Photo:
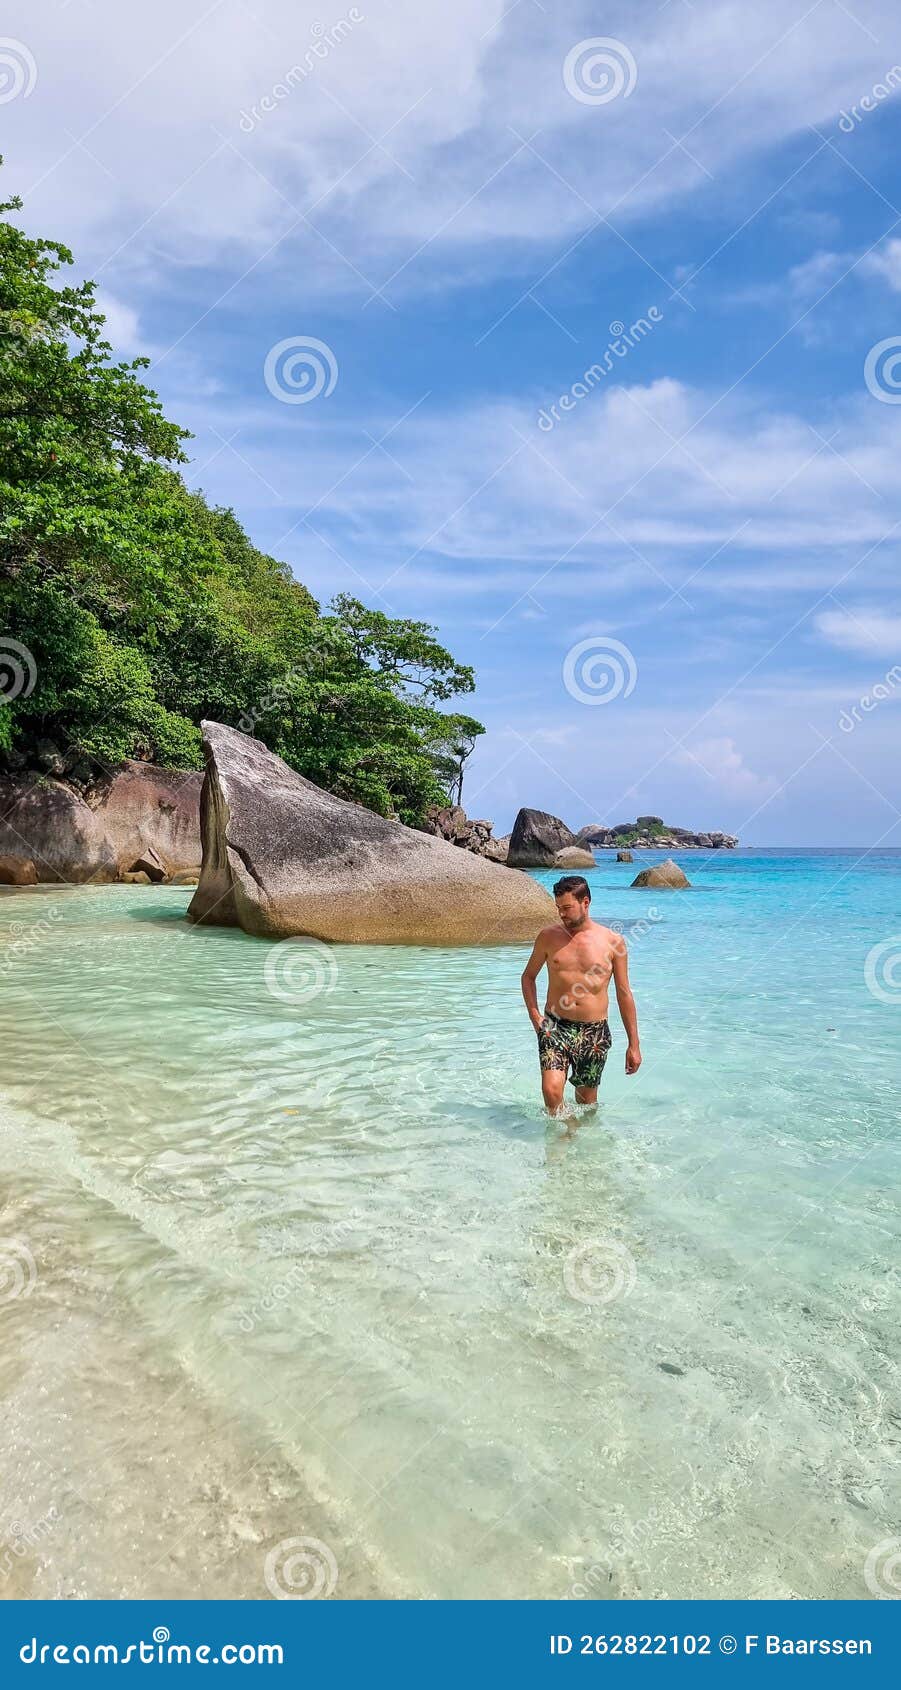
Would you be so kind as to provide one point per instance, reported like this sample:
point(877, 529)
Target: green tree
point(456, 740)
point(146, 610)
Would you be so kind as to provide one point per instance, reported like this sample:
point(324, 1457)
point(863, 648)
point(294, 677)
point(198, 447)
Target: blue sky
point(458, 207)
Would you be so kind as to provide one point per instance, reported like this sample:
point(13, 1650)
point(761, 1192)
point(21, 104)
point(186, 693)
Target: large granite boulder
point(282, 857)
point(536, 839)
point(662, 874)
point(151, 817)
point(138, 819)
point(53, 833)
point(573, 857)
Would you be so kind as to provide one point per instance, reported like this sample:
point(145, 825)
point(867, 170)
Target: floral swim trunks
point(582, 1046)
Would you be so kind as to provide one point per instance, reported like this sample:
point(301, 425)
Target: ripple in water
point(321, 1269)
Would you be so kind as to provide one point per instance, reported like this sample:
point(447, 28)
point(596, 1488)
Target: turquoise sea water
point(289, 1250)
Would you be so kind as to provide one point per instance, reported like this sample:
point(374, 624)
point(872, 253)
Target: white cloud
point(662, 486)
point(812, 278)
point(721, 759)
point(403, 134)
point(885, 262)
point(122, 325)
point(865, 630)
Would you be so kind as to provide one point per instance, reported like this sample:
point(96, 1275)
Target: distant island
point(651, 832)
point(540, 840)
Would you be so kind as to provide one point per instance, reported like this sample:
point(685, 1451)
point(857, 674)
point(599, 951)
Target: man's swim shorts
point(582, 1046)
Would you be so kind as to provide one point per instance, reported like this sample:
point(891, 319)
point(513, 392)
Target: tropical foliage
point(140, 609)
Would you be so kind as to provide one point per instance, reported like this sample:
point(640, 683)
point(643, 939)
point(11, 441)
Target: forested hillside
point(141, 609)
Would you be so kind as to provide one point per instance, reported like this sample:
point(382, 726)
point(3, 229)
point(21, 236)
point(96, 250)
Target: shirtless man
point(581, 958)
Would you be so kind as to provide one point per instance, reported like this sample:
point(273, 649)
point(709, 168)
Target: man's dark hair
point(575, 884)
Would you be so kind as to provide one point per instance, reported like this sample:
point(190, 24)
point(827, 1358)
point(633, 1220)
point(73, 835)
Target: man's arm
point(626, 1004)
point(530, 974)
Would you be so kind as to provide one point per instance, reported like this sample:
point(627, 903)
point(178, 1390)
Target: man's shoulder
point(609, 936)
point(547, 934)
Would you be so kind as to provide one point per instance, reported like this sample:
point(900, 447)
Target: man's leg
point(552, 1055)
point(553, 1081)
point(589, 1058)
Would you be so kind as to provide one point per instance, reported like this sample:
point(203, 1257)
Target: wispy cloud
point(398, 153)
point(886, 263)
point(865, 629)
point(723, 763)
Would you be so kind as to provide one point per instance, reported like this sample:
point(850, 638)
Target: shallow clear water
point(290, 1250)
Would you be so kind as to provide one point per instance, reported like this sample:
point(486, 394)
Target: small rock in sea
point(572, 856)
point(805, 1309)
point(671, 1367)
point(662, 874)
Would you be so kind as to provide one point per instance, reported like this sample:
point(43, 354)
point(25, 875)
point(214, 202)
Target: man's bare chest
point(581, 956)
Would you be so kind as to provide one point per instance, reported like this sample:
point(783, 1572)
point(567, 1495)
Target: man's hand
point(530, 975)
point(633, 1059)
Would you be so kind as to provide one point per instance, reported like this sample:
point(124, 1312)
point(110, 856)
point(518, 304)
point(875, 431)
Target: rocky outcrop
point(496, 849)
point(662, 874)
point(154, 814)
point(624, 856)
point(595, 835)
point(138, 820)
point(17, 871)
point(536, 839)
point(650, 833)
point(573, 857)
point(450, 822)
point(281, 857)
